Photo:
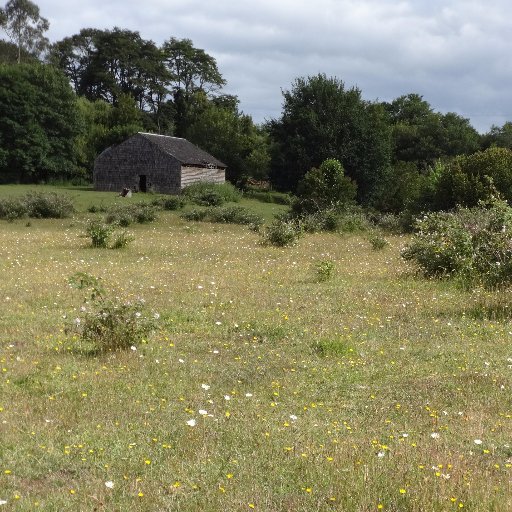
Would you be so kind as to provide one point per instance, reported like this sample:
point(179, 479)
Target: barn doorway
point(143, 183)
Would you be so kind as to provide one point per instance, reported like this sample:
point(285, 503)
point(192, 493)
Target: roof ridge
point(160, 135)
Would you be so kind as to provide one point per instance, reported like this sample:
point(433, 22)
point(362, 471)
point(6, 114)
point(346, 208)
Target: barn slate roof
point(183, 150)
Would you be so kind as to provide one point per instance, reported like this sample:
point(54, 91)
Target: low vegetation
point(199, 369)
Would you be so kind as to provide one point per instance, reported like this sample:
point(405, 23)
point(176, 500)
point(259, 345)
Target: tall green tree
point(39, 124)
point(499, 136)
point(25, 27)
point(320, 120)
point(422, 136)
point(193, 74)
point(231, 136)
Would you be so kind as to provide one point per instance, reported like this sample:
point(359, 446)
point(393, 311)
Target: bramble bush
point(110, 324)
point(472, 244)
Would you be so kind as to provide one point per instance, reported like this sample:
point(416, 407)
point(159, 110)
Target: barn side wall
point(191, 175)
point(122, 166)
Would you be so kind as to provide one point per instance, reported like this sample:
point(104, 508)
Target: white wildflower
point(191, 423)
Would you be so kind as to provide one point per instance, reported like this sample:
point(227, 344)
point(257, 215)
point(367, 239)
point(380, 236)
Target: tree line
point(64, 103)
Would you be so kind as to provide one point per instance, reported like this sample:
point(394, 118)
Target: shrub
point(211, 194)
point(124, 215)
point(48, 205)
point(324, 270)
point(281, 233)
point(37, 205)
point(11, 209)
point(99, 233)
point(196, 214)
point(472, 244)
point(110, 324)
point(353, 220)
point(121, 240)
point(234, 215)
point(377, 241)
point(170, 203)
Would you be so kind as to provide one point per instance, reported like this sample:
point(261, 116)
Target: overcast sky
point(456, 53)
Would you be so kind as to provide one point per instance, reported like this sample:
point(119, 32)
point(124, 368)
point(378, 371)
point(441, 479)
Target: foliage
point(103, 126)
point(121, 240)
point(281, 233)
point(170, 203)
point(324, 270)
point(38, 125)
point(471, 244)
point(211, 194)
point(322, 120)
point(110, 324)
point(268, 196)
point(421, 136)
point(325, 188)
point(99, 233)
point(234, 215)
point(37, 205)
point(12, 208)
point(377, 241)
point(469, 179)
point(24, 25)
point(221, 129)
point(195, 214)
point(325, 220)
point(124, 215)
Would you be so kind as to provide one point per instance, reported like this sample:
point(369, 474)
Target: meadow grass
point(373, 390)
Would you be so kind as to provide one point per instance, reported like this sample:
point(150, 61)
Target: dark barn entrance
point(143, 183)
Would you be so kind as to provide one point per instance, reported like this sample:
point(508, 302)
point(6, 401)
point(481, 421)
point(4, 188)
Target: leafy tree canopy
point(39, 124)
point(320, 120)
point(22, 22)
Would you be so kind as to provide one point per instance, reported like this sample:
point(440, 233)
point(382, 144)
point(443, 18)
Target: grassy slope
point(391, 378)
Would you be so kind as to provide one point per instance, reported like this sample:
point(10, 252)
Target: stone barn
point(159, 163)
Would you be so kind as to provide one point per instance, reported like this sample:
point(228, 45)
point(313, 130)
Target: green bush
point(170, 203)
point(234, 215)
point(472, 244)
point(110, 324)
point(11, 209)
point(281, 233)
point(211, 194)
point(196, 214)
point(124, 215)
point(48, 205)
point(324, 270)
point(99, 233)
point(323, 220)
point(353, 220)
point(121, 240)
point(377, 241)
point(37, 205)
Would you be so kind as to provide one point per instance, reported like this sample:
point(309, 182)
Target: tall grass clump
point(211, 194)
point(472, 244)
point(110, 324)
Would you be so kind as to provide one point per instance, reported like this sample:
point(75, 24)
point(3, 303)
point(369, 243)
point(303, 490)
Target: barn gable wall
point(121, 166)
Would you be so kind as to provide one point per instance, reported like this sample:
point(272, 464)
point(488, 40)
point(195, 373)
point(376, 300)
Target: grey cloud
point(456, 53)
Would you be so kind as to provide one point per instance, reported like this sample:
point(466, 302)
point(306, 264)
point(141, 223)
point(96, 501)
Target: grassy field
point(373, 390)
